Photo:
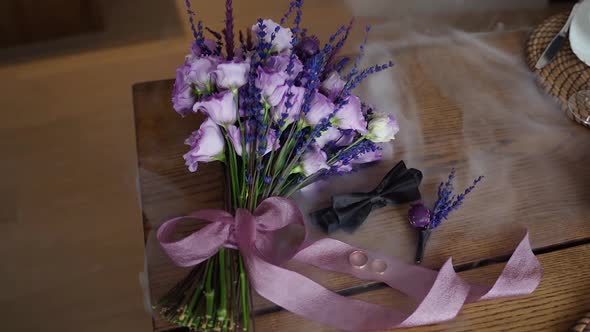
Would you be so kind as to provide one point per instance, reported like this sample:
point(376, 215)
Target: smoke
point(468, 101)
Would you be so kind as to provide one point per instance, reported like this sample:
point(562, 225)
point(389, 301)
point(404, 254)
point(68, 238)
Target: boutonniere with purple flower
point(426, 220)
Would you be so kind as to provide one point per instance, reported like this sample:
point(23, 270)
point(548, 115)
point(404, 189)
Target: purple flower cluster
point(279, 107)
point(447, 201)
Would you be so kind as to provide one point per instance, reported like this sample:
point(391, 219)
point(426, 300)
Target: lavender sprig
point(445, 190)
point(218, 39)
point(198, 30)
point(200, 40)
point(447, 202)
point(298, 17)
point(338, 32)
point(346, 156)
point(191, 18)
point(331, 66)
point(340, 65)
point(352, 84)
point(292, 7)
point(360, 56)
point(229, 29)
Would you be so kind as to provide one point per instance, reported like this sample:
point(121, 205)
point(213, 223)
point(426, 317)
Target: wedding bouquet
point(280, 114)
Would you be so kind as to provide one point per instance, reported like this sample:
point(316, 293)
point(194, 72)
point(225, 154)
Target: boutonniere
point(426, 220)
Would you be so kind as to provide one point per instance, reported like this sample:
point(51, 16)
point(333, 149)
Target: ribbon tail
point(441, 294)
point(304, 297)
point(199, 246)
point(521, 275)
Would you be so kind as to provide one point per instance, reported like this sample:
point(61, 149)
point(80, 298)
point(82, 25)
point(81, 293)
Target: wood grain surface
point(561, 299)
point(536, 173)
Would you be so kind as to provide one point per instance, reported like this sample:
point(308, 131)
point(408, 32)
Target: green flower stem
point(222, 312)
point(254, 193)
point(242, 195)
point(294, 159)
point(279, 165)
point(196, 323)
point(278, 169)
point(209, 291)
point(230, 293)
point(233, 168)
point(268, 186)
point(245, 296)
point(285, 187)
point(196, 297)
point(309, 180)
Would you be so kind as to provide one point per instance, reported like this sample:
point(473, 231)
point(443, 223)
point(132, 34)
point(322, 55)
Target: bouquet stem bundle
point(214, 296)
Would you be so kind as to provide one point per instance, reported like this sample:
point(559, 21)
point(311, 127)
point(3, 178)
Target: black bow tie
point(349, 211)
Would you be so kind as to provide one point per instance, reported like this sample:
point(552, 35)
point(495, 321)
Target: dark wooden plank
point(167, 188)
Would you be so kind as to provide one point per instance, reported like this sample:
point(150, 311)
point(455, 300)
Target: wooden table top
point(535, 161)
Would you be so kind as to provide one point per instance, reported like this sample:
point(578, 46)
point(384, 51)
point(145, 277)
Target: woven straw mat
point(567, 74)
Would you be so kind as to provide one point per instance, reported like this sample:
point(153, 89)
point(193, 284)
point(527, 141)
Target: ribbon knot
point(243, 231)
point(349, 211)
point(440, 295)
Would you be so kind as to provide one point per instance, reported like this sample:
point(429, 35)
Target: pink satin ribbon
point(440, 295)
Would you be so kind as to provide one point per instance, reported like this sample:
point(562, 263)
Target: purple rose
point(183, 97)
point(235, 136)
point(207, 144)
point(221, 108)
point(350, 116)
point(272, 85)
point(382, 128)
point(275, 98)
point(333, 85)
point(320, 108)
point(197, 51)
point(200, 71)
point(336, 137)
point(282, 40)
point(272, 77)
point(231, 75)
point(368, 157)
point(347, 138)
point(332, 134)
point(312, 161)
point(280, 63)
point(289, 114)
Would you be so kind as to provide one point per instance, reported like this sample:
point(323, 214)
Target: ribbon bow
point(349, 211)
point(440, 295)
